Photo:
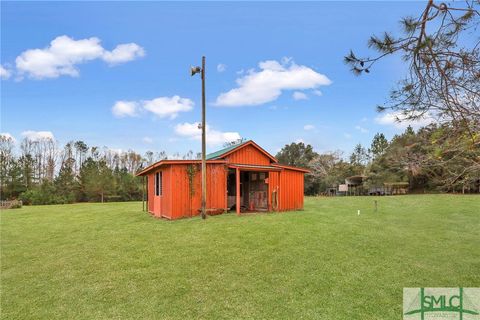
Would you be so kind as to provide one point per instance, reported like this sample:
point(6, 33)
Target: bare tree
point(162, 155)
point(81, 150)
point(67, 154)
point(51, 156)
point(94, 153)
point(134, 161)
point(149, 157)
point(6, 158)
point(188, 155)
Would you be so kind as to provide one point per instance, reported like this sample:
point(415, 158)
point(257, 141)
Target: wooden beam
point(237, 176)
point(143, 193)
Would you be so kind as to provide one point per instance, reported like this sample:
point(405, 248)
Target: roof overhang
point(283, 166)
point(251, 167)
point(272, 167)
point(355, 180)
point(160, 163)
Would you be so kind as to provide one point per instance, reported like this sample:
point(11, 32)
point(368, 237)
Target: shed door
point(258, 190)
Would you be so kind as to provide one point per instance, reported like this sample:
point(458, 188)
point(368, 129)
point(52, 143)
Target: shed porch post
point(237, 176)
point(143, 193)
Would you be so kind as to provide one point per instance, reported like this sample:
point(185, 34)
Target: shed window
point(158, 184)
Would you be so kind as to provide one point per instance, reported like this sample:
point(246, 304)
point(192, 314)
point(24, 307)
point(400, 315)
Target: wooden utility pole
point(203, 126)
point(204, 161)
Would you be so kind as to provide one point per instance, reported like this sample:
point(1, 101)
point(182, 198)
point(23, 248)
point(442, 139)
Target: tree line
point(431, 159)
point(42, 172)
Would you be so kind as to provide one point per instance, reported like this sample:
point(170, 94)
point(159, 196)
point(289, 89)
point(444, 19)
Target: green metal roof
point(215, 155)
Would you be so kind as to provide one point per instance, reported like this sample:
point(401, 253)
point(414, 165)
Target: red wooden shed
point(241, 178)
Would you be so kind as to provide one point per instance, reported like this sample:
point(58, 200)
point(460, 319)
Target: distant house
point(241, 178)
point(355, 186)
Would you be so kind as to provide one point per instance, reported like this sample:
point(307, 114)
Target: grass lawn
point(112, 261)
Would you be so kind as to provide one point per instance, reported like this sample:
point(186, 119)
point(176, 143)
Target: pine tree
point(379, 145)
point(65, 183)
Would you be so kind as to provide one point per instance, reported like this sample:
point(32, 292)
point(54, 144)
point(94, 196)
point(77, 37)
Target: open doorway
point(253, 191)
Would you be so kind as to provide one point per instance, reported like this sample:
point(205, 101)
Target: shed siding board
point(217, 188)
point(166, 192)
point(179, 190)
point(161, 204)
point(291, 190)
point(273, 185)
point(151, 207)
point(157, 200)
point(248, 155)
point(184, 203)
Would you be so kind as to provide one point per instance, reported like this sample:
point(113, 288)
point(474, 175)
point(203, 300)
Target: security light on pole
point(193, 71)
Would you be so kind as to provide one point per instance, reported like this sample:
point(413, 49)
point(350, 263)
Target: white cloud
point(361, 129)
point(38, 135)
point(347, 135)
point(125, 109)
point(317, 93)
point(399, 120)
point(123, 53)
point(162, 107)
point(298, 95)
point(64, 53)
point(4, 73)
point(308, 127)
point(221, 67)
point(147, 140)
point(187, 129)
point(267, 84)
point(214, 137)
point(8, 136)
point(299, 140)
point(168, 106)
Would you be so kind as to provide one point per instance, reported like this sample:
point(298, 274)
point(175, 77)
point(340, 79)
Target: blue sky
point(282, 60)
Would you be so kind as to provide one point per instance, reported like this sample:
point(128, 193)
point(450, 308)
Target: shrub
point(16, 205)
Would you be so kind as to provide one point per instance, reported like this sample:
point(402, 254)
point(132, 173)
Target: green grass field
point(112, 261)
